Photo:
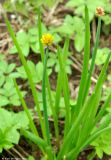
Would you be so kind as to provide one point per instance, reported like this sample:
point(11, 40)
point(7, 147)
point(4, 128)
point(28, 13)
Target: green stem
point(71, 134)
point(32, 125)
point(83, 81)
point(93, 60)
point(44, 97)
point(27, 70)
point(47, 79)
point(55, 117)
point(40, 35)
point(103, 109)
point(37, 140)
point(74, 152)
point(66, 93)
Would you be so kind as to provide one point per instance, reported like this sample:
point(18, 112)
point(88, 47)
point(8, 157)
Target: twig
point(18, 153)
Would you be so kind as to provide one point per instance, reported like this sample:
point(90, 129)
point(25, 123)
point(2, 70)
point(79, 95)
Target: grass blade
point(102, 74)
point(27, 70)
point(37, 140)
point(71, 154)
point(40, 35)
point(85, 63)
point(93, 60)
point(66, 93)
point(47, 79)
point(32, 125)
point(103, 109)
point(70, 136)
point(44, 97)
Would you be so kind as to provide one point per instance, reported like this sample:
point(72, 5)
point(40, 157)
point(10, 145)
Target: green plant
point(62, 105)
point(10, 123)
point(80, 122)
point(74, 27)
point(23, 40)
point(9, 96)
point(91, 4)
point(102, 55)
point(103, 143)
point(53, 62)
point(36, 71)
point(29, 40)
point(24, 7)
point(2, 56)
point(6, 71)
point(19, 6)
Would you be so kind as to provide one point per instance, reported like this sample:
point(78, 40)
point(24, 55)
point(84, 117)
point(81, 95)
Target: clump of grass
point(80, 125)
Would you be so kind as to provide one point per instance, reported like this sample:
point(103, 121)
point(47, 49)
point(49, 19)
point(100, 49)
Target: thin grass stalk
point(66, 89)
point(98, 87)
point(66, 94)
point(80, 132)
point(55, 117)
point(40, 35)
point(103, 109)
point(37, 140)
point(47, 79)
point(95, 108)
point(67, 104)
point(57, 103)
point(93, 137)
point(44, 96)
point(105, 123)
point(64, 83)
point(94, 53)
point(65, 50)
point(74, 152)
point(59, 79)
point(102, 75)
point(27, 70)
point(58, 92)
point(68, 139)
point(83, 81)
point(32, 125)
point(95, 103)
point(88, 122)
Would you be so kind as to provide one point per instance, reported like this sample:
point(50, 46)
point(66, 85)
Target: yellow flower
point(47, 39)
point(100, 11)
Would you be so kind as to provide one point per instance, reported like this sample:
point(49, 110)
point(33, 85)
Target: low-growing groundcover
point(85, 122)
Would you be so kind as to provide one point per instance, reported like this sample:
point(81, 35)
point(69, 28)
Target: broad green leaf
point(33, 31)
point(13, 50)
point(39, 71)
point(35, 47)
point(102, 55)
point(3, 101)
point(23, 41)
point(11, 67)
point(21, 120)
point(79, 41)
point(3, 66)
point(14, 100)
point(2, 79)
point(99, 152)
point(9, 123)
point(73, 3)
